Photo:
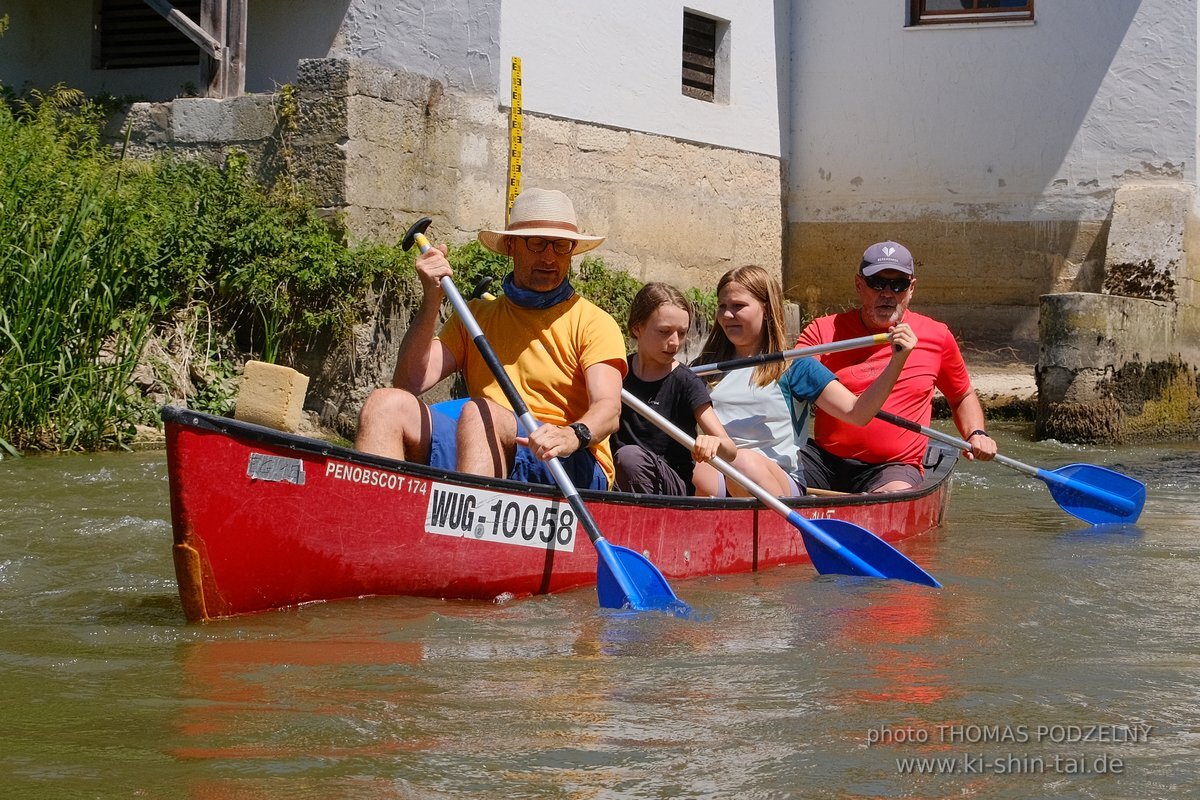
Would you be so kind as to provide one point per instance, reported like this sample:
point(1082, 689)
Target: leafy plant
point(94, 247)
point(70, 329)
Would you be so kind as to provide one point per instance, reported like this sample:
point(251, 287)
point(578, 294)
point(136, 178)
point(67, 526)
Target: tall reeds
point(69, 329)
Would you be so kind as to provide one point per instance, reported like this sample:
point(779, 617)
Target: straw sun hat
point(541, 212)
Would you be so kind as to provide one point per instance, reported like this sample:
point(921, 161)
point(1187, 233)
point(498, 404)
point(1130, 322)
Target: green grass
point(96, 250)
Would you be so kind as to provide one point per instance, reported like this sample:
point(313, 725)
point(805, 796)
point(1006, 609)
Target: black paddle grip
point(907, 424)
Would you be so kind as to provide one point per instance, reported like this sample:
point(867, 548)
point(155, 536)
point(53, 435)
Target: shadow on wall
point(911, 146)
point(281, 32)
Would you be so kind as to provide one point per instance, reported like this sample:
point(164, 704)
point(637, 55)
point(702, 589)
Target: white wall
point(50, 41)
point(619, 63)
point(998, 122)
point(281, 32)
point(453, 41)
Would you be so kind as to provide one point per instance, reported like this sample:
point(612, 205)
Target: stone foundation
point(1119, 366)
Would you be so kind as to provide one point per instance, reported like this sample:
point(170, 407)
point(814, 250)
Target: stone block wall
point(383, 148)
point(202, 127)
point(1120, 365)
point(386, 147)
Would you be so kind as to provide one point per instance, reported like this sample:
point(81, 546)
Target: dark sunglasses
point(896, 285)
point(536, 244)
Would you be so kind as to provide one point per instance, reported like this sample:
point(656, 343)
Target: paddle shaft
point(531, 423)
point(765, 497)
point(945, 438)
point(786, 355)
point(1041, 474)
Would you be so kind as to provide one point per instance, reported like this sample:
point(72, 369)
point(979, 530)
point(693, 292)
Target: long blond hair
point(768, 291)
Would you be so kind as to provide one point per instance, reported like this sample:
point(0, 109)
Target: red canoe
point(264, 520)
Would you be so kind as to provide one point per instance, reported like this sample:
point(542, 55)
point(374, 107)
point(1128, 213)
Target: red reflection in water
point(277, 699)
point(890, 633)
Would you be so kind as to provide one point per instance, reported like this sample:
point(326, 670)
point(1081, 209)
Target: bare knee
point(707, 480)
point(486, 438)
point(763, 471)
point(394, 423)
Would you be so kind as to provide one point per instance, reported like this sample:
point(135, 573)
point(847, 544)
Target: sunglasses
point(536, 244)
point(896, 285)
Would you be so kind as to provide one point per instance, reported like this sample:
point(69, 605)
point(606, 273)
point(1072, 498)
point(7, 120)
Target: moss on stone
point(1086, 423)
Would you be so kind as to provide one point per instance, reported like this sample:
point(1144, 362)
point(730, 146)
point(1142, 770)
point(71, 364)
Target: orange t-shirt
point(545, 352)
point(936, 362)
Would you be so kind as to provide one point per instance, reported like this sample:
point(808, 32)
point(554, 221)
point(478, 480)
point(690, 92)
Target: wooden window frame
point(129, 34)
point(977, 12)
point(703, 76)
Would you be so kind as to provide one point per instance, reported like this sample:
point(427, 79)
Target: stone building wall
point(1120, 363)
point(387, 147)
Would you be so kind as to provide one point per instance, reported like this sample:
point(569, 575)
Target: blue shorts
point(581, 466)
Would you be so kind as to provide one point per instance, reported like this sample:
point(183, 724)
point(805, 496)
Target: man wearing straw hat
point(565, 355)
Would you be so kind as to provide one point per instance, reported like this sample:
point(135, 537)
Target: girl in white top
point(765, 409)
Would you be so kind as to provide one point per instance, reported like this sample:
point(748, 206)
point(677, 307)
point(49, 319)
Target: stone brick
point(271, 395)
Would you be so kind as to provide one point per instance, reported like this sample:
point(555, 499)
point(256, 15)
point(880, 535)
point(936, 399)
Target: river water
point(1033, 673)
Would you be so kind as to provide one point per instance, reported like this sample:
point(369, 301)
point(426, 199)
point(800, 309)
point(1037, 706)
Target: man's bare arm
point(423, 360)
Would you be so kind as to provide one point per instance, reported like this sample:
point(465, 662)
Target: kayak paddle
point(1094, 494)
point(835, 546)
point(624, 578)
point(799, 352)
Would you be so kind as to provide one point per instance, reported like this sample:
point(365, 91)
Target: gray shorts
point(824, 470)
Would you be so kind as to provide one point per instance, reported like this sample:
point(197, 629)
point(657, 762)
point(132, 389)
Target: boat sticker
point(263, 467)
point(375, 477)
point(503, 518)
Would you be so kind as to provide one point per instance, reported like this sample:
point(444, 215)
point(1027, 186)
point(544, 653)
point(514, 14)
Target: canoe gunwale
point(939, 466)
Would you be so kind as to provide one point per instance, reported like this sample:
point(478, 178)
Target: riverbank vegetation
point(98, 252)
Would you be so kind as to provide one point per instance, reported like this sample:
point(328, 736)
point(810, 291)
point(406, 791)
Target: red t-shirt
point(936, 362)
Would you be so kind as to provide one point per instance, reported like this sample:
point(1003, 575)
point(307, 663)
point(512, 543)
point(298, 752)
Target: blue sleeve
point(806, 379)
point(802, 384)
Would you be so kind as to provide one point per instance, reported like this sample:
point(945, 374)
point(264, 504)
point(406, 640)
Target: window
point(705, 58)
point(933, 12)
point(132, 34)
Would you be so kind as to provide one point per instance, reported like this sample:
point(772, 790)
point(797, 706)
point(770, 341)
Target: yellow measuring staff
point(514, 139)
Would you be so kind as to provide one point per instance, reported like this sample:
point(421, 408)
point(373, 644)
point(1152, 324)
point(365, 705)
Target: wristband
point(974, 433)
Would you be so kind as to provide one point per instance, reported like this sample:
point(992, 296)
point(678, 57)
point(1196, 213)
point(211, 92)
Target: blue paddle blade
point(1095, 494)
point(842, 548)
point(648, 589)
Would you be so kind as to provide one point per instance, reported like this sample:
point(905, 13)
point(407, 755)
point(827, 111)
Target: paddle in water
point(835, 546)
point(624, 578)
point(1096, 495)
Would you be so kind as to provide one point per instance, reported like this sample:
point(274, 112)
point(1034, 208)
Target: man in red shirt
point(881, 457)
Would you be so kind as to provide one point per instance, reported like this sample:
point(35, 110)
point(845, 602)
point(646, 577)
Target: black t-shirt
point(676, 397)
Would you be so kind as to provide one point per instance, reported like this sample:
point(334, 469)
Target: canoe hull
point(264, 520)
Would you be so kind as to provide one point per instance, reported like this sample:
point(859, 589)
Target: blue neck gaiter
point(526, 298)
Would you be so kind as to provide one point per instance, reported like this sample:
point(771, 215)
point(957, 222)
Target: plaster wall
point(619, 64)
point(456, 42)
point(993, 151)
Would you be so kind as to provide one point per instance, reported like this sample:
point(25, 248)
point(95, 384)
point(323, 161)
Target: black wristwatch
point(581, 430)
point(976, 432)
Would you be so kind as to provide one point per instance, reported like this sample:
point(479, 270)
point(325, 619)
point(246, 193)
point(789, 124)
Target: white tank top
point(757, 418)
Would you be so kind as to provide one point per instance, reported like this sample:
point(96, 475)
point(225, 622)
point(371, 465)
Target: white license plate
point(496, 517)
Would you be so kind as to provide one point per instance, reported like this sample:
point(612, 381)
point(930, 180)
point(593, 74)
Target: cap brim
point(494, 240)
point(874, 269)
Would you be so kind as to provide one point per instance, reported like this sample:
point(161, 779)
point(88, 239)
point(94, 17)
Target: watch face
point(581, 431)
